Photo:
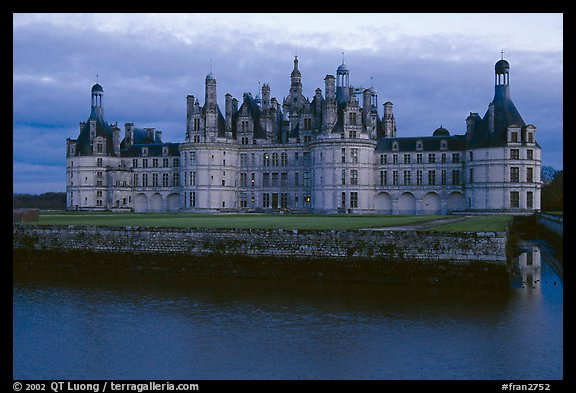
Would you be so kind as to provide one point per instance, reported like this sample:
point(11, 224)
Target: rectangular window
point(354, 176)
point(394, 178)
point(514, 154)
point(530, 137)
point(144, 163)
point(529, 200)
point(455, 158)
point(530, 175)
point(284, 179)
point(274, 159)
point(275, 179)
point(307, 179)
point(514, 174)
point(253, 180)
point(443, 177)
point(284, 159)
point(134, 163)
point(98, 162)
point(432, 178)
point(443, 158)
point(154, 180)
point(353, 199)
point(307, 158)
point(176, 162)
point(343, 200)
point(283, 200)
point(296, 179)
point(529, 154)
point(455, 177)
point(243, 159)
point(165, 163)
point(406, 158)
point(354, 155)
point(383, 178)
point(407, 181)
point(265, 180)
point(144, 180)
point(135, 182)
point(418, 178)
point(431, 158)
point(352, 118)
point(394, 158)
point(266, 159)
point(383, 159)
point(165, 178)
point(193, 199)
point(514, 137)
point(307, 123)
point(154, 163)
point(193, 178)
point(514, 199)
point(343, 154)
point(265, 200)
point(419, 158)
point(175, 179)
point(243, 179)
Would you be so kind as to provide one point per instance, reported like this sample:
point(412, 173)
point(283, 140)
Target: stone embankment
point(378, 255)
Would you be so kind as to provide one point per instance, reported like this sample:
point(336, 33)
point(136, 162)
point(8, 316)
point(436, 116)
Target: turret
point(128, 134)
point(342, 83)
point(389, 121)
point(228, 109)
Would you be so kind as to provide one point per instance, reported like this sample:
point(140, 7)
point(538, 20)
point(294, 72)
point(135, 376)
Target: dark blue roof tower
point(491, 131)
point(102, 128)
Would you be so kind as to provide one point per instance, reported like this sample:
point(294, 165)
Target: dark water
point(106, 327)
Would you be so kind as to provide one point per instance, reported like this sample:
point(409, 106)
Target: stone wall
point(359, 255)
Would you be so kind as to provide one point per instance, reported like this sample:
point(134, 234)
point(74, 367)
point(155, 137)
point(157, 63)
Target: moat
point(145, 326)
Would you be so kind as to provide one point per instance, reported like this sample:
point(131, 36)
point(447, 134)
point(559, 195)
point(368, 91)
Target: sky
point(434, 68)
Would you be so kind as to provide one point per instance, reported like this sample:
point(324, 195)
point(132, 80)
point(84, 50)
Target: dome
point(210, 76)
point(97, 89)
point(502, 67)
point(441, 132)
point(342, 68)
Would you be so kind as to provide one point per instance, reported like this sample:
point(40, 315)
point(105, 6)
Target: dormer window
point(443, 145)
point(164, 151)
point(395, 145)
point(514, 137)
point(419, 145)
point(144, 151)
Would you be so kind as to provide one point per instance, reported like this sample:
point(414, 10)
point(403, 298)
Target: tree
point(547, 174)
point(553, 193)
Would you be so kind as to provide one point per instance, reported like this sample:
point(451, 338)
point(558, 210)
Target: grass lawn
point(242, 221)
point(475, 224)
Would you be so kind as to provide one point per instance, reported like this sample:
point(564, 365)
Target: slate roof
point(429, 143)
point(102, 129)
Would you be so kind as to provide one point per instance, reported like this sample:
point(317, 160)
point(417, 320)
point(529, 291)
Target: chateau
point(332, 153)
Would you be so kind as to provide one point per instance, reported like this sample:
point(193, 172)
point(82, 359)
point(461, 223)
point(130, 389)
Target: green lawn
point(242, 221)
point(475, 224)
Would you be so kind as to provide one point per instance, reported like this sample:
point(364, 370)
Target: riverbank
point(400, 257)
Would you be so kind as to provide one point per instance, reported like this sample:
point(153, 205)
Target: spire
point(295, 71)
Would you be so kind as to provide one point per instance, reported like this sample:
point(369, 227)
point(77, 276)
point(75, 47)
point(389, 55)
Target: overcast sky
point(435, 68)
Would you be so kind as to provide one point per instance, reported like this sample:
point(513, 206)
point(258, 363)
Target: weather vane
point(502, 54)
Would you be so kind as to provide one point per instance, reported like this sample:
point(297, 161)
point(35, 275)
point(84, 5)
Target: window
point(284, 159)
point(283, 200)
point(243, 159)
point(514, 154)
point(134, 163)
point(455, 158)
point(165, 162)
point(343, 200)
point(418, 178)
point(284, 179)
point(243, 179)
point(354, 155)
point(274, 159)
point(99, 147)
point(253, 180)
point(353, 199)
point(443, 177)
point(394, 178)
point(383, 178)
point(471, 175)
point(406, 158)
point(354, 176)
point(529, 200)
point(343, 177)
point(530, 137)
point(529, 154)
point(223, 182)
point(514, 137)
point(164, 180)
point(432, 178)
point(144, 180)
point(514, 174)
point(193, 199)
point(394, 158)
point(154, 180)
point(307, 159)
point(266, 180)
point(352, 118)
point(296, 179)
point(307, 179)
point(530, 175)
point(176, 162)
point(419, 158)
point(514, 199)
point(245, 140)
point(193, 178)
point(196, 126)
point(275, 179)
point(455, 177)
point(471, 156)
point(135, 181)
point(296, 157)
point(265, 200)
point(98, 162)
point(192, 157)
point(307, 124)
point(343, 154)
point(196, 138)
point(154, 163)
point(383, 159)
point(406, 178)
point(352, 134)
point(266, 159)
point(443, 158)
point(307, 138)
point(431, 158)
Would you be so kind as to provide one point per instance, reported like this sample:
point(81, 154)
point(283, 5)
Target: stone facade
point(329, 154)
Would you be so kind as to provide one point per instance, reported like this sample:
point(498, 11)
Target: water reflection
point(142, 326)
